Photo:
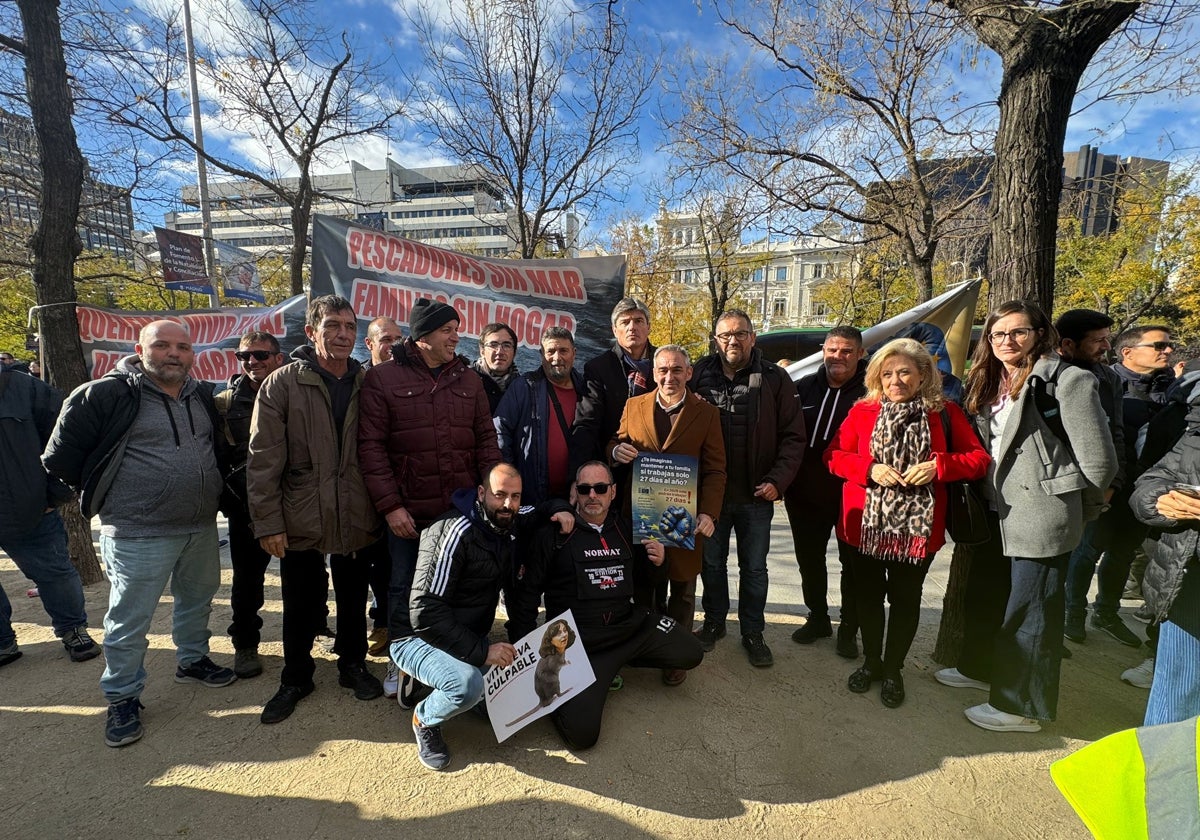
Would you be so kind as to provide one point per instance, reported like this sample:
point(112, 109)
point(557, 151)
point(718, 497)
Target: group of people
point(434, 486)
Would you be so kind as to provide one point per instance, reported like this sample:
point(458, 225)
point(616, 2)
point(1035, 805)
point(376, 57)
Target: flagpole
point(210, 262)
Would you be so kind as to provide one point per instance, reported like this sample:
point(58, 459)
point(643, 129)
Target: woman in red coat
point(892, 452)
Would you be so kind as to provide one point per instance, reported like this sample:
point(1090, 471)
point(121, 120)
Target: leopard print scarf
point(897, 521)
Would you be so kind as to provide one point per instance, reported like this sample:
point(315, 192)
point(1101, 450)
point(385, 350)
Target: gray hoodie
point(168, 482)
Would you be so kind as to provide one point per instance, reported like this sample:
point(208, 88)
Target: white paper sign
point(550, 668)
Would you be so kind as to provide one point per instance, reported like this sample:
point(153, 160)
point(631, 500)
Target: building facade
point(775, 278)
point(105, 210)
point(455, 207)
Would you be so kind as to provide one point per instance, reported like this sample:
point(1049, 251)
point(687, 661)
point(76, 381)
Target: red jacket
point(849, 456)
point(419, 440)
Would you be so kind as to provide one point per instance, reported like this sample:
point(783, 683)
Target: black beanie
point(428, 315)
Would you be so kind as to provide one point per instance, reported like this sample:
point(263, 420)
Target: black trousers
point(811, 527)
point(246, 595)
point(305, 592)
point(661, 642)
point(901, 584)
point(1012, 637)
point(380, 560)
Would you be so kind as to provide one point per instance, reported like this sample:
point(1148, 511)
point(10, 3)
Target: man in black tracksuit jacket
point(814, 498)
point(590, 572)
point(464, 561)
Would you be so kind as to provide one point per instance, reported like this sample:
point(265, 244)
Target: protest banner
point(108, 335)
point(383, 274)
point(182, 258)
point(665, 492)
point(943, 322)
point(240, 273)
point(551, 667)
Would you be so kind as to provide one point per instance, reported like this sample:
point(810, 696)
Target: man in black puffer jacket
point(1164, 497)
point(590, 572)
point(465, 559)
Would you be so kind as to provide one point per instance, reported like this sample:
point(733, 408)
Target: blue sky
point(1155, 126)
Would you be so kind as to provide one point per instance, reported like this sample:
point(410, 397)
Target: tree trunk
point(1035, 104)
point(301, 217)
point(950, 632)
point(55, 242)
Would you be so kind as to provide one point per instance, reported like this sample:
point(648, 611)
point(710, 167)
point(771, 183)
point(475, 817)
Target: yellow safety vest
point(1139, 784)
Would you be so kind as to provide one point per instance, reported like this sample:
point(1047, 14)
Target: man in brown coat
point(674, 420)
point(307, 499)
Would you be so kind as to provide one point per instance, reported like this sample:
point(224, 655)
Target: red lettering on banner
point(529, 322)
point(105, 360)
point(215, 365)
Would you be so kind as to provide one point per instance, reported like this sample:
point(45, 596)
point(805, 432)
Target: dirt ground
point(734, 752)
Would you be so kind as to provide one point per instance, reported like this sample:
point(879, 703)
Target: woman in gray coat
point(1052, 455)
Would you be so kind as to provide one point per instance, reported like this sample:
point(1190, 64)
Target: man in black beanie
point(425, 431)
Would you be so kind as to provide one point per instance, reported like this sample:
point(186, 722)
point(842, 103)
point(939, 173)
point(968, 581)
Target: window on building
point(816, 272)
point(781, 274)
point(756, 276)
point(779, 307)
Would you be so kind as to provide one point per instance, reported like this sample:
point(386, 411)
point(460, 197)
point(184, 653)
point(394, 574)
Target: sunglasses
point(259, 355)
point(1159, 346)
point(586, 489)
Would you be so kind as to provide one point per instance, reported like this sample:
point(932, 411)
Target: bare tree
point(297, 91)
point(857, 116)
point(55, 242)
point(546, 102)
point(1045, 49)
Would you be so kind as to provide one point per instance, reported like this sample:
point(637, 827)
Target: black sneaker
point(412, 691)
point(124, 724)
point(1115, 627)
point(1073, 627)
point(206, 672)
point(431, 747)
point(892, 690)
point(9, 654)
point(860, 681)
point(709, 633)
point(847, 641)
point(281, 706)
point(246, 663)
point(356, 676)
point(80, 646)
point(757, 650)
point(817, 627)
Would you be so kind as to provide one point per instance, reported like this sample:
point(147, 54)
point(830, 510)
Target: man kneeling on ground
point(465, 559)
point(590, 572)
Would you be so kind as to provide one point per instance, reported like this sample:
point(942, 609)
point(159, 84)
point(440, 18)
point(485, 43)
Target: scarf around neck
point(898, 521)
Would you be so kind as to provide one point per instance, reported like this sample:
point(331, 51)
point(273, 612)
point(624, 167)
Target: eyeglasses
point(725, 338)
point(1019, 334)
point(1160, 346)
point(586, 489)
point(247, 355)
point(500, 345)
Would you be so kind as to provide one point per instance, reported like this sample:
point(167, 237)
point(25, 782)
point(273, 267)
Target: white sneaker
point(1140, 676)
point(987, 716)
point(953, 678)
point(391, 680)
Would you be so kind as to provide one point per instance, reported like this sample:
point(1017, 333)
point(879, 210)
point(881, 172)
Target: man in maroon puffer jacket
point(425, 430)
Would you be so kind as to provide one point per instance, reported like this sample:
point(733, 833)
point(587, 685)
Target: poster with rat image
point(549, 669)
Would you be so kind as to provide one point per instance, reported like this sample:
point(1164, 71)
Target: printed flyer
point(665, 494)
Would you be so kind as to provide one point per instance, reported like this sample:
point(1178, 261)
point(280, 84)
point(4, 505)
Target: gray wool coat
point(1045, 491)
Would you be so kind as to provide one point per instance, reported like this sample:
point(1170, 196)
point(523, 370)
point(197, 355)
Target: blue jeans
point(457, 685)
point(1114, 553)
point(404, 567)
point(138, 569)
point(1175, 692)
point(42, 556)
point(752, 524)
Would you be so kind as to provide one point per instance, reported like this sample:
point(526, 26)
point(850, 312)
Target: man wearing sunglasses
point(590, 572)
point(259, 355)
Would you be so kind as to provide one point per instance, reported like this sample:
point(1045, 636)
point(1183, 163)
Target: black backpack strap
point(1046, 403)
